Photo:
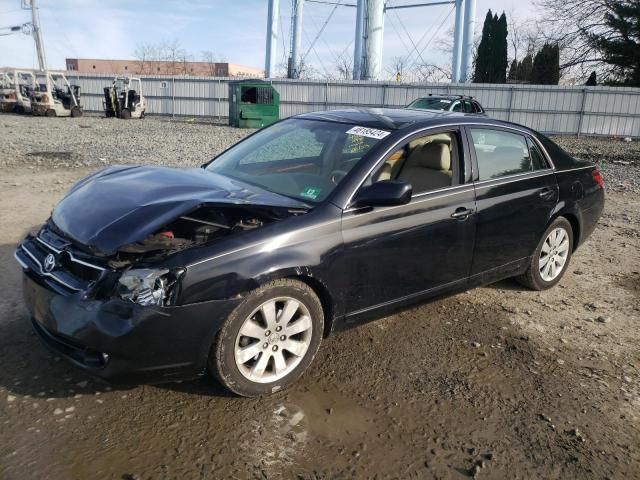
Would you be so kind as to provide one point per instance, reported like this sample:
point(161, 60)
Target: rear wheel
point(269, 340)
point(19, 109)
point(125, 114)
point(551, 259)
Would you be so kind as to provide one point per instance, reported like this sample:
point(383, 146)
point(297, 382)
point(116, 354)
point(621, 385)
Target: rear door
point(516, 191)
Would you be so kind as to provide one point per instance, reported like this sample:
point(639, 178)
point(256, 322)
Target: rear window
point(501, 154)
point(431, 103)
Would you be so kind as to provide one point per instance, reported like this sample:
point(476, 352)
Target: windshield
point(302, 159)
point(431, 103)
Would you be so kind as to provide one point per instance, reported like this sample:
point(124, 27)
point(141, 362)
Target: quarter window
point(537, 159)
point(502, 153)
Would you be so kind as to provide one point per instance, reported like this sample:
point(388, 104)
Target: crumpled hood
point(121, 205)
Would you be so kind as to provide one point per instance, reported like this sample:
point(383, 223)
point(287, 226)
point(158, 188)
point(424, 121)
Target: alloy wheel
point(554, 254)
point(273, 340)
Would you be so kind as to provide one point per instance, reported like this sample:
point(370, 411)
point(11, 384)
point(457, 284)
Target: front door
point(397, 254)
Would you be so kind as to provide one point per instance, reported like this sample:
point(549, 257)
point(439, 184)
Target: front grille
point(56, 260)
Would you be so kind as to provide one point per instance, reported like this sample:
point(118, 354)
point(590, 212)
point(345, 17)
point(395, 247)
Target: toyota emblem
point(49, 263)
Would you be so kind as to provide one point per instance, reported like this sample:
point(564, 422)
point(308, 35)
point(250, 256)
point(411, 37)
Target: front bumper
point(120, 341)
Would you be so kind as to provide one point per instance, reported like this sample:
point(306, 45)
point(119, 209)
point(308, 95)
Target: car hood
point(121, 205)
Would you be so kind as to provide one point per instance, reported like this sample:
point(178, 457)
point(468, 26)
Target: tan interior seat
point(428, 167)
point(444, 138)
point(390, 168)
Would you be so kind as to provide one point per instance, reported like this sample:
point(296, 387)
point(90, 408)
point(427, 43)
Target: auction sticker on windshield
point(368, 132)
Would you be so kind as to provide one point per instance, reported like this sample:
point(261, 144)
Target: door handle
point(462, 213)
point(547, 193)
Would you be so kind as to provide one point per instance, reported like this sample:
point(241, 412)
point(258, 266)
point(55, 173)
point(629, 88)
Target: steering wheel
point(337, 175)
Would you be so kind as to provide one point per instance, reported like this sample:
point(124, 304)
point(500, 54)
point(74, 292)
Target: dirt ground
point(498, 382)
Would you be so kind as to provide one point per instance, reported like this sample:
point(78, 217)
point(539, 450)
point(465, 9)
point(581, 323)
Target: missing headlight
point(146, 286)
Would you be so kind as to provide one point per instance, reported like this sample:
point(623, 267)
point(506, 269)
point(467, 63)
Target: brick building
point(151, 67)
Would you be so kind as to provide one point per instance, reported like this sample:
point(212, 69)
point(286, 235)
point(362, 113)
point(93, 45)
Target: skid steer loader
point(16, 90)
point(56, 97)
point(124, 99)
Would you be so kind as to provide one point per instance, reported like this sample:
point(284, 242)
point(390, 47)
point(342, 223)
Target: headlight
point(144, 286)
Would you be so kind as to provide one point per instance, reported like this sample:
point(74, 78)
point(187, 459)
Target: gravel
point(618, 160)
point(96, 141)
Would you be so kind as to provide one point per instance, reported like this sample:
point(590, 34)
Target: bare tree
point(145, 54)
point(211, 59)
point(525, 37)
point(399, 66)
point(344, 67)
point(570, 24)
point(431, 73)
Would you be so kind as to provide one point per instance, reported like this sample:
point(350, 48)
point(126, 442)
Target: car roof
point(448, 97)
point(401, 118)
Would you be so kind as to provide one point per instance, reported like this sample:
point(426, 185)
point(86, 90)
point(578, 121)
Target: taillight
point(597, 177)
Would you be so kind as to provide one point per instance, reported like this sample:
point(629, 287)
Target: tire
point(76, 112)
point(51, 113)
point(125, 114)
point(19, 109)
point(539, 275)
point(257, 376)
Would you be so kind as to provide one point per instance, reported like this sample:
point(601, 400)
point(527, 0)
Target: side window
point(457, 107)
point(427, 163)
point(537, 159)
point(468, 107)
point(477, 107)
point(502, 153)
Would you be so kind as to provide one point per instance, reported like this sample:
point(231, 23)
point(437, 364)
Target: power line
point(324, 25)
point(435, 33)
point(312, 47)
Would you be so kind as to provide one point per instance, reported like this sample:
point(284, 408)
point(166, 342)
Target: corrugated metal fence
point(551, 109)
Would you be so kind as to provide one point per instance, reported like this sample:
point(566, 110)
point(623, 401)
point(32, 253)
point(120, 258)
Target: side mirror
point(386, 193)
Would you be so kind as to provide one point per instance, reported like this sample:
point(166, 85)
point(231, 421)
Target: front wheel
point(269, 340)
point(550, 260)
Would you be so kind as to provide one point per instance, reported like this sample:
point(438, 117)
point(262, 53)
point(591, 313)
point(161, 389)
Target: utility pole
point(467, 40)
point(359, 40)
point(374, 36)
point(272, 38)
point(457, 42)
point(37, 32)
point(296, 39)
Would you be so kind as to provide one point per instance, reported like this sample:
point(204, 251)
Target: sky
point(234, 30)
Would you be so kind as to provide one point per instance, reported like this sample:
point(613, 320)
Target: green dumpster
point(253, 104)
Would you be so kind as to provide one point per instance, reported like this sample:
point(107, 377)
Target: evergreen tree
point(524, 69)
point(501, 50)
point(546, 65)
point(620, 46)
point(483, 58)
point(592, 81)
point(491, 61)
point(513, 70)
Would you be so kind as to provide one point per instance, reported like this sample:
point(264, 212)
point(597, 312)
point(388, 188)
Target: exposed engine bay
point(201, 226)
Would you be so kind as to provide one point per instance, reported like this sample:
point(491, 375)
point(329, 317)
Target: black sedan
point(320, 222)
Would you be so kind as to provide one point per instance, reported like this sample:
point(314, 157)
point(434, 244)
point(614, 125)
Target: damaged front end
point(132, 272)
